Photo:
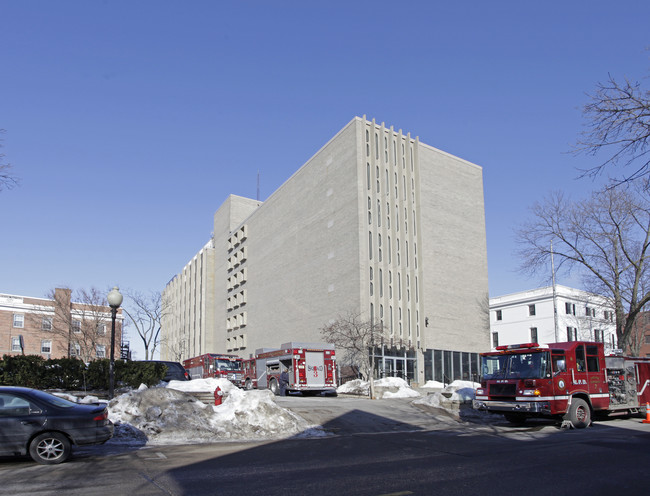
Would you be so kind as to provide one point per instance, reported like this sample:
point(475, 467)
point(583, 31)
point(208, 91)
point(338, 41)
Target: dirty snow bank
point(171, 415)
point(454, 393)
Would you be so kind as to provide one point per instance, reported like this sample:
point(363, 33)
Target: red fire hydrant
point(218, 396)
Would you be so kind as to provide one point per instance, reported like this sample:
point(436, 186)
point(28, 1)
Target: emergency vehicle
point(568, 381)
point(213, 365)
point(311, 368)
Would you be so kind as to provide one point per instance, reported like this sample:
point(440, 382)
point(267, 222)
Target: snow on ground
point(171, 415)
point(456, 392)
point(389, 387)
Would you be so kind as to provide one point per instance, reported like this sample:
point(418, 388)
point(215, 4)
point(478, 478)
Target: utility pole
point(554, 295)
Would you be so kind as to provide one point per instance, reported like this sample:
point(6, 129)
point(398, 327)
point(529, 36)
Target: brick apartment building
point(641, 336)
point(58, 327)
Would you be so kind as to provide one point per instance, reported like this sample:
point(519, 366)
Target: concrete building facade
point(57, 327)
point(529, 317)
point(377, 224)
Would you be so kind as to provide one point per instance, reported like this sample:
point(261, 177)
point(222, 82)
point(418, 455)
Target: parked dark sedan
point(46, 426)
point(175, 371)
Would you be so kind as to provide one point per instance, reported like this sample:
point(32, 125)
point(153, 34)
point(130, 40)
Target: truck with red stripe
point(311, 368)
point(569, 381)
point(218, 366)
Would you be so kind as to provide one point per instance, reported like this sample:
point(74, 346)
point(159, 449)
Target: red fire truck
point(214, 365)
point(568, 381)
point(311, 368)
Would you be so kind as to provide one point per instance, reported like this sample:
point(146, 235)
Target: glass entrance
point(395, 363)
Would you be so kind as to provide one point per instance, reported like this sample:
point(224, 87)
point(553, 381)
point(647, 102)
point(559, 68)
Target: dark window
point(571, 334)
point(592, 359)
point(557, 358)
point(533, 335)
point(580, 359)
point(495, 339)
point(499, 315)
point(531, 310)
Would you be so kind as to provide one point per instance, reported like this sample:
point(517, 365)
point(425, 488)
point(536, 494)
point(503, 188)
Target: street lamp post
point(114, 300)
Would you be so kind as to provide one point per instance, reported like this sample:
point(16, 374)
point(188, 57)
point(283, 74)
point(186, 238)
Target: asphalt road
point(378, 447)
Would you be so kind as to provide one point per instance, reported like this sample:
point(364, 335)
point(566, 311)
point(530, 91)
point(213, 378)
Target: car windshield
point(516, 366)
point(227, 365)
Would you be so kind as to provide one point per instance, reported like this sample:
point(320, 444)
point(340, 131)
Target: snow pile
point(454, 393)
point(433, 385)
point(171, 415)
point(389, 387)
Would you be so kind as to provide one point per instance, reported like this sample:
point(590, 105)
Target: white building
point(376, 223)
point(529, 317)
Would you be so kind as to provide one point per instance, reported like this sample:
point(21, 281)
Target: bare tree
point(145, 313)
point(78, 320)
point(175, 350)
point(357, 338)
point(618, 118)
point(605, 237)
point(7, 179)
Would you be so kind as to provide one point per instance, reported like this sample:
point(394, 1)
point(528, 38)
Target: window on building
point(101, 328)
point(499, 315)
point(76, 326)
point(533, 335)
point(647, 339)
point(100, 351)
point(19, 320)
point(495, 339)
point(531, 310)
point(590, 312)
point(47, 324)
point(46, 346)
point(571, 334)
point(570, 308)
point(598, 335)
point(15, 344)
point(75, 349)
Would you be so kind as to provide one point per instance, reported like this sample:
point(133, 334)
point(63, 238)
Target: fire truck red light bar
point(517, 346)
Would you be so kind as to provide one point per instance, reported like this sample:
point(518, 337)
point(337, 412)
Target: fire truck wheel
point(275, 389)
point(248, 385)
point(515, 418)
point(579, 414)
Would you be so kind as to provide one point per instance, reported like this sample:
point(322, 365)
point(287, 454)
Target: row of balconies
point(236, 342)
point(237, 279)
point(236, 322)
point(237, 300)
point(238, 258)
point(237, 237)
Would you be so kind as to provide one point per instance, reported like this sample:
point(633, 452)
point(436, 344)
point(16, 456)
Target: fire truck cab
point(213, 365)
point(311, 368)
point(570, 381)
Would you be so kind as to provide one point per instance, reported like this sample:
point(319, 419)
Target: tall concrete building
point(376, 223)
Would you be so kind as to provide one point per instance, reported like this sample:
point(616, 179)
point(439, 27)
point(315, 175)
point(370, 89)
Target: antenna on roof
point(258, 185)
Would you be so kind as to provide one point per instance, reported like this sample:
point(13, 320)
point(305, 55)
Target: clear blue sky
point(129, 122)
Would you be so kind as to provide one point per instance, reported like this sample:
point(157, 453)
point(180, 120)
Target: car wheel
point(273, 386)
point(579, 414)
point(50, 448)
